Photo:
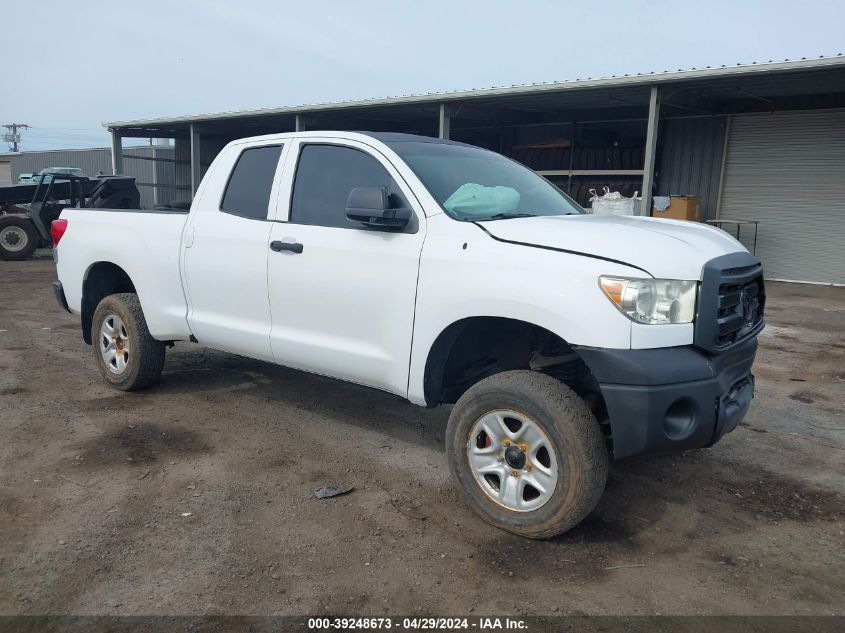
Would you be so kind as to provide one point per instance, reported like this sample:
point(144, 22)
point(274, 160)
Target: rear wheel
point(18, 237)
point(528, 453)
point(127, 355)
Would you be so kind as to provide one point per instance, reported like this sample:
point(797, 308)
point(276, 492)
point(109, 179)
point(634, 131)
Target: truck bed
point(145, 244)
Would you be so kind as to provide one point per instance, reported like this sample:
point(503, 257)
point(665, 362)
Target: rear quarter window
point(248, 191)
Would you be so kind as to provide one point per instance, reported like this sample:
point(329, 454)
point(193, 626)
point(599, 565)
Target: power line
point(13, 136)
point(77, 129)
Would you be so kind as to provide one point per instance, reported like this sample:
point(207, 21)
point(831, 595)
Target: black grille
point(731, 301)
point(740, 310)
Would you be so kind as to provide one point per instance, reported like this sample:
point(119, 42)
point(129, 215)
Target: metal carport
point(672, 132)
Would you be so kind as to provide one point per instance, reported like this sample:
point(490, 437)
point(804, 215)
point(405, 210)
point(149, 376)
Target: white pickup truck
point(445, 274)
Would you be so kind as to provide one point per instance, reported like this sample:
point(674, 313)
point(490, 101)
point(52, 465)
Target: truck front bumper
point(666, 400)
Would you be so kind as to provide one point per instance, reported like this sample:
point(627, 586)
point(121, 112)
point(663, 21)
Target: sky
point(72, 66)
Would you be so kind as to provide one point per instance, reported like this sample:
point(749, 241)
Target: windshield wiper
point(508, 216)
point(503, 216)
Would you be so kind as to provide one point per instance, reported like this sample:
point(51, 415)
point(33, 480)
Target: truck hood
point(668, 249)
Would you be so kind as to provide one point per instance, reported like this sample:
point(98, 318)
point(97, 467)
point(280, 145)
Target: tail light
point(57, 229)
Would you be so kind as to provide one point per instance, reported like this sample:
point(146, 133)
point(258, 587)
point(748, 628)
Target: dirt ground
point(195, 496)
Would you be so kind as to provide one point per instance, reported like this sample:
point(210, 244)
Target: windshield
point(61, 170)
point(475, 184)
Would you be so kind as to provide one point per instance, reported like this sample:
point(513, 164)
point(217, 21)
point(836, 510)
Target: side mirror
point(371, 206)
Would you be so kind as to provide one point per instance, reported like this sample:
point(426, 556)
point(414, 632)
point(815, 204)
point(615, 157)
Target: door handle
point(293, 247)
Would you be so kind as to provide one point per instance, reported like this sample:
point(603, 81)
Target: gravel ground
point(195, 497)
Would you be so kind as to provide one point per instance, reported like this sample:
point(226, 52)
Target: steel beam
point(722, 167)
point(650, 148)
point(445, 121)
point(196, 173)
point(116, 152)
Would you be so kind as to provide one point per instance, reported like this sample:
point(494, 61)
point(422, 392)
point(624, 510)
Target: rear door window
point(248, 190)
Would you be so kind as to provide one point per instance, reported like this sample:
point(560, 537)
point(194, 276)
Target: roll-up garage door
point(787, 170)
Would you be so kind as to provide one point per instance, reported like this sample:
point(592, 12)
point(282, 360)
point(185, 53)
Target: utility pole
point(13, 136)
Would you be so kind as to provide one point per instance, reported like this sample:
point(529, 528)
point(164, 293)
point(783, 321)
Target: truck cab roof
point(388, 138)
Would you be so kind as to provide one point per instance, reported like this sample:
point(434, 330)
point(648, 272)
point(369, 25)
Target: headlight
point(652, 301)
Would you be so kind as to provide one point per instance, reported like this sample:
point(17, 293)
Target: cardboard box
point(680, 208)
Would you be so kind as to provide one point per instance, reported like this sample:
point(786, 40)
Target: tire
point(571, 474)
point(130, 368)
point(18, 237)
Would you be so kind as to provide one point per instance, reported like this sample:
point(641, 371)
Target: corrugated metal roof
point(653, 77)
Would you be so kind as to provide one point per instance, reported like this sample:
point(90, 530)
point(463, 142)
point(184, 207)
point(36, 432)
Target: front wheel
point(127, 355)
point(18, 237)
point(528, 453)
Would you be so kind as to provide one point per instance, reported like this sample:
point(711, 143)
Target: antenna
point(13, 136)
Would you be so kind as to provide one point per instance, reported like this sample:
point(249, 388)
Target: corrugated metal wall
point(209, 148)
point(691, 159)
point(787, 170)
point(90, 161)
point(138, 162)
point(165, 175)
point(182, 155)
point(5, 172)
point(155, 170)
